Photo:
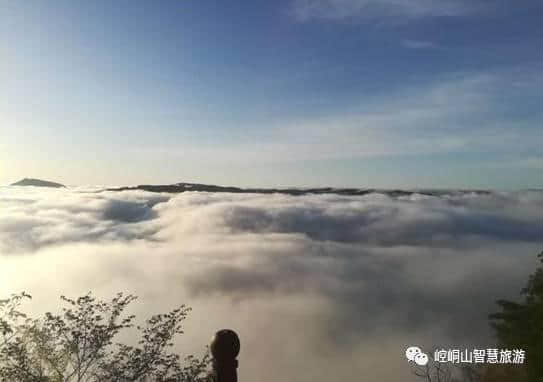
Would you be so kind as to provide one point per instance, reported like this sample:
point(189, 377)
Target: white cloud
point(458, 112)
point(528, 162)
point(418, 44)
point(338, 10)
point(354, 279)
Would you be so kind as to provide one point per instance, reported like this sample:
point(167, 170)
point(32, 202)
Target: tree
point(435, 371)
point(520, 325)
point(78, 345)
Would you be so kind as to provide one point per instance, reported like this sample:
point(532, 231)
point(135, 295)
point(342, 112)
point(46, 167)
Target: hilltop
point(37, 183)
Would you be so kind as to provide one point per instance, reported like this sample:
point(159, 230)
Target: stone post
point(225, 348)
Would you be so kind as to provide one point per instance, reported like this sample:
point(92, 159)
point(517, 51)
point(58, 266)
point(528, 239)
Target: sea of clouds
point(319, 287)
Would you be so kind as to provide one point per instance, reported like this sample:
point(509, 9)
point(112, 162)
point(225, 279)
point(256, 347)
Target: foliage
point(520, 325)
point(78, 345)
point(447, 372)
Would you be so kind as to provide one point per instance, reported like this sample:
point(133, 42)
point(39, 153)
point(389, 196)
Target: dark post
point(224, 349)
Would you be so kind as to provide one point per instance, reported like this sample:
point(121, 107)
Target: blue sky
point(369, 93)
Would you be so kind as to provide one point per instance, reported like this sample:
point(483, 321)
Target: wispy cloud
point(529, 162)
point(418, 44)
point(458, 112)
point(364, 10)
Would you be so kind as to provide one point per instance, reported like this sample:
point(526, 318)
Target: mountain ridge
point(347, 191)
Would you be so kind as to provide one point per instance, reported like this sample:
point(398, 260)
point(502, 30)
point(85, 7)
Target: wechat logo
point(414, 354)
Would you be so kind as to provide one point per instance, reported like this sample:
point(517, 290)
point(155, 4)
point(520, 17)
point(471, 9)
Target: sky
point(363, 93)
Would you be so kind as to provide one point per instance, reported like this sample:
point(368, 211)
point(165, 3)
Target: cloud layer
point(319, 287)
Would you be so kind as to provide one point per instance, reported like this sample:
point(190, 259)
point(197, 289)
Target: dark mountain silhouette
point(37, 183)
point(182, 187)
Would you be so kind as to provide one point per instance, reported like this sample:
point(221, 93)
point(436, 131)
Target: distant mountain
point(182, 187)
point(37, 183)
